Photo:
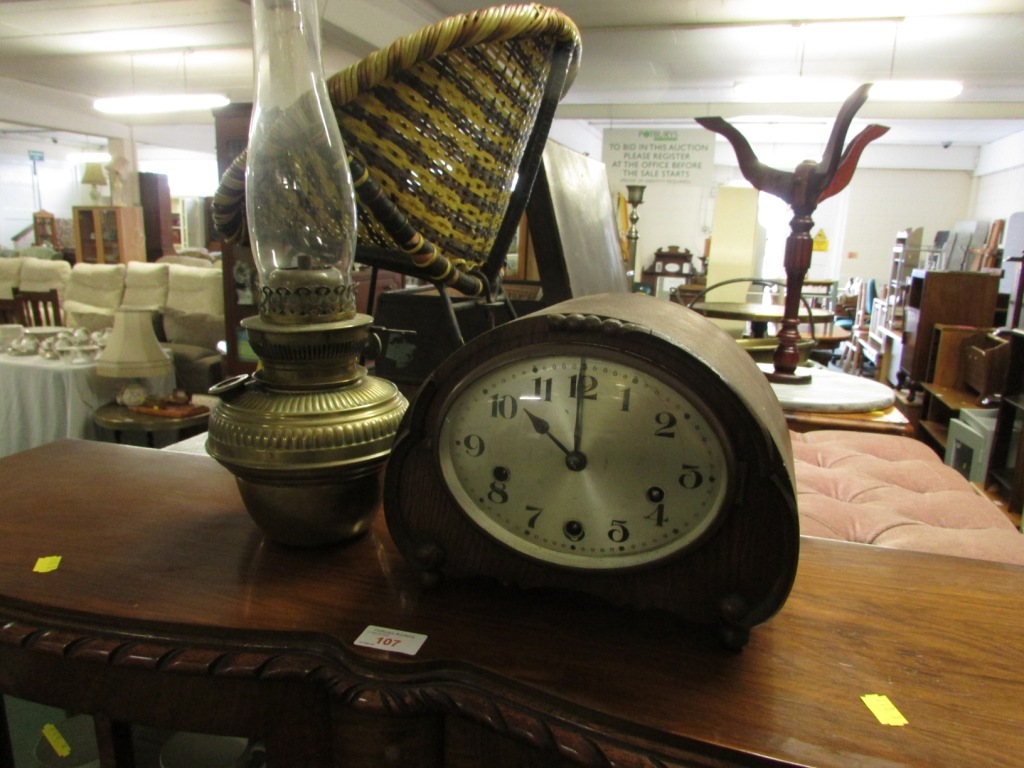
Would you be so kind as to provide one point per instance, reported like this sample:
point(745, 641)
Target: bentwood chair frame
point(445, 129)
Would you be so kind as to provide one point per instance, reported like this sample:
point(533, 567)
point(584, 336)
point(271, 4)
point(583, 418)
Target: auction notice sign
point(666, 155)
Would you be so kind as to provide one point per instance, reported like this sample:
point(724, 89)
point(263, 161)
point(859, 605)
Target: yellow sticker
point(60, 746)
point(47, 564)
point(883, 709)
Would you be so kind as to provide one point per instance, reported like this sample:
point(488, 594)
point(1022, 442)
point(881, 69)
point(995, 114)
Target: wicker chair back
point(445, 130)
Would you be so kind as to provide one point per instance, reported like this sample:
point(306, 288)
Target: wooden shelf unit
point(945, 392)
point(1007, 475)
point(109, 234)
point(962, 298)
point(940, 405)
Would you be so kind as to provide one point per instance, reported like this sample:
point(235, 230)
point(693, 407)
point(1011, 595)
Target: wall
point(892, 189)
point(54, 188)
point(998, 190)
point(189, 173)
point(895, 186)
point(882, 202)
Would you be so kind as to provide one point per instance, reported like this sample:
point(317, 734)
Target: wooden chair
point(439, 126)
point(11, 311)
point(40, 308)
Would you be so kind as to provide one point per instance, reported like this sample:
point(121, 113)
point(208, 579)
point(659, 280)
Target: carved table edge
point(502, 706)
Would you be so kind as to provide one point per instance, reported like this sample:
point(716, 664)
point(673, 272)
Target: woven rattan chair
point(439, 126)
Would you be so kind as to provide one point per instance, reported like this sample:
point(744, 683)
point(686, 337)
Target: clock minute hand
point(543, 428)
point(577, 432)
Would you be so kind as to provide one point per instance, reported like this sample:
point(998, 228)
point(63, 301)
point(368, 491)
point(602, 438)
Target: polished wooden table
point(758, 315)
point(168, 608)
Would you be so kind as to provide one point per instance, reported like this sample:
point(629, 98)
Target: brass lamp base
point(312, 508)
point(307, 436)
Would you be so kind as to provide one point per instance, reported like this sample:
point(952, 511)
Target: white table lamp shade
point(133, 350)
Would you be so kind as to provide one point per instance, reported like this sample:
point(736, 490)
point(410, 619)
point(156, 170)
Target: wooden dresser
point(168, 608)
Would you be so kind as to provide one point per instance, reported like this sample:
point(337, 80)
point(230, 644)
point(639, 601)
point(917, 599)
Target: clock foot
point(429, 558)
point(732, 637)
point(731, 630)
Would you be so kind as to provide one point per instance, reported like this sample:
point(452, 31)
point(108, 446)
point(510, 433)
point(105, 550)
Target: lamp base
point(314, 508)
point(132, 394)
point(307, 438)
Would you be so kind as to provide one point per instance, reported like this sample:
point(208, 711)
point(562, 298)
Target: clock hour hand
point(543, 428)
point(574, 460)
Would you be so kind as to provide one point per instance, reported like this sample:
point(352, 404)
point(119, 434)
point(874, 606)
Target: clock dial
point(586, 458)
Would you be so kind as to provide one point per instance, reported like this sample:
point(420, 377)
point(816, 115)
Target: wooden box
point(986, 359)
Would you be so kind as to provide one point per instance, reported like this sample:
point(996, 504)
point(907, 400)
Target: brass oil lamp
point(307, 436)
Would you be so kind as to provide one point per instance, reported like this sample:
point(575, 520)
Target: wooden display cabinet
point(155, 194)
point(231, 132)
point(44, 228)
point(956, 298)
point(179, 233)
point(109, 234)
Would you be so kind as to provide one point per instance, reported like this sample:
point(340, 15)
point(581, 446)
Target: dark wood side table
point(119, 419)
point(169, 609)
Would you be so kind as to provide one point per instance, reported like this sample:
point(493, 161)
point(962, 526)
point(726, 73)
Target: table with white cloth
point(45, 400)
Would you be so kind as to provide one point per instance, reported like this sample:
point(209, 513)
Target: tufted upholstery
point(895, 492)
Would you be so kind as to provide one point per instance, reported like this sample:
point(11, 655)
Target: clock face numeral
point(589, 387)
point(666, 424)
point(474, 445)
point(504, 406)
point(586, 460)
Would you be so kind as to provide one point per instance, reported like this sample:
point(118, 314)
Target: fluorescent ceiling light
point(88, 157)
point(808, 89)
point(150, 105)
point(915, 90)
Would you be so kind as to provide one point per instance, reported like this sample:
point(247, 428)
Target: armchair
point(193, 325)
point(93, 294)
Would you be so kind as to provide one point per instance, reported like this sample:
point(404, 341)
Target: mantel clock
point(613, 445)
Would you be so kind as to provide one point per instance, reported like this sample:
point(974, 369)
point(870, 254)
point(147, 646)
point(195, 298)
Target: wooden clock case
point(735, 577)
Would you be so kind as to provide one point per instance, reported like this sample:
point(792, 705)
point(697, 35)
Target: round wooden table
point(120, 418)
point(758, 315)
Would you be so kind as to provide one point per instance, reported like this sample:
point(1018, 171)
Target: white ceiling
point(643, 60)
